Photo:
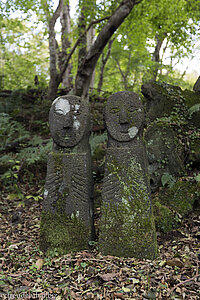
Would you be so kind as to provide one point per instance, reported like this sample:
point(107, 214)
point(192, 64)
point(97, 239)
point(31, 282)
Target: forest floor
point(26, 273)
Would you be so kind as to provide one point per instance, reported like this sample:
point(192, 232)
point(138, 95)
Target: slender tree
point(65, 21)
point(87, 66)
point(104, 59)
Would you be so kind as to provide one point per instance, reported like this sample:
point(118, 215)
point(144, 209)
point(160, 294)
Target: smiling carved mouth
point(124, 128)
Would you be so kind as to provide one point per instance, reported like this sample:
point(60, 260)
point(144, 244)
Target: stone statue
point(67, 215)
point(196, 86)
point(69, 124)
point(126, 226)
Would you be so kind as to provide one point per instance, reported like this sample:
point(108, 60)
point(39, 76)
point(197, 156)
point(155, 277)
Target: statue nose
point(68, 122)
point(123, 118)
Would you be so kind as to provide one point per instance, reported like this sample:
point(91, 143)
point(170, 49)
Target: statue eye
point(59, 111)
point(77, 112)
point(114, 109)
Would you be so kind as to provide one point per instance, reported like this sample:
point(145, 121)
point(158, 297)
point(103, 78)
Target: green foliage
point(36, 151)
point(30, 154)
point(173, 21)
point(96, 140)
point(23, 54)
point(11, 131)
point(197, 178)
point(131, 60)
point(25, 6)
point(194, 108)
point(11, 176)
point(168, 179)
point(175, 202)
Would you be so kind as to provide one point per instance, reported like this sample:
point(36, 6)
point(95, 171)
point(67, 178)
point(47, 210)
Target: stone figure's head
point(124, 116)
point(68, 120)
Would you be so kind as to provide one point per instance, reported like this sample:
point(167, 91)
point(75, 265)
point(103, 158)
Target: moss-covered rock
point(173, 113)
point(194, 155)
point(192, 100)
point(165, 219)
point(161, 99)
point(165, 153)
point(180, 197)
point(191, 97)
point(171, 205)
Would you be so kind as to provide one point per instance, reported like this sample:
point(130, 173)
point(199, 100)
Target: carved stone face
point(124, 115)
point(68, 119)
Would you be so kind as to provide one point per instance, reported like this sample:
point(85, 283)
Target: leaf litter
point(27, 273)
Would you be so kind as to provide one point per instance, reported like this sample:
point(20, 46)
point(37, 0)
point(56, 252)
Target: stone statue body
point(126, 209)
point(67, 207)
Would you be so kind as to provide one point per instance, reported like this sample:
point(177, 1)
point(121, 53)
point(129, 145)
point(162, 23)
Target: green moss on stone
point(171, 204)
point(127, 234)
point(180, 197)
point(195, 150)
point(191, 98)
point(60, 230)
point(57, 160)
point(62, 233)
point(165, 219)
point(127, 226)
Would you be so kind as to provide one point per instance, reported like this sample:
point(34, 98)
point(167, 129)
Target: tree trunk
point(83, 36)
point(124, 77)
point(90, 39)
point(52, 92)
point(103, 64)
point(66, 44)
point(53, 88)
point(88, 64)
point(87, 59)
point(53, 66)
point(156, 54)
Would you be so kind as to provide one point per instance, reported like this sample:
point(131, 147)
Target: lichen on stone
point(62, 233)
point(127, 225)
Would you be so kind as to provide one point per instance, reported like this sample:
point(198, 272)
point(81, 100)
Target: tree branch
point(109, 51)
point(183, 282)
point(188, 280)
point(93, 22)
point(86, 69)
point(120, 70)
point(55, 16)
point(124, 76)
point(103, 64)
point(128, 65)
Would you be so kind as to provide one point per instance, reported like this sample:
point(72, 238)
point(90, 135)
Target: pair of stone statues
point(126, 226)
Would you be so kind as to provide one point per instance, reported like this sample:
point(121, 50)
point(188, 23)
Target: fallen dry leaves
point(88, 274)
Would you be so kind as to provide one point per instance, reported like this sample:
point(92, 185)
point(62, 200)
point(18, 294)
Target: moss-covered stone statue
point(66, 222)
point(127, 224)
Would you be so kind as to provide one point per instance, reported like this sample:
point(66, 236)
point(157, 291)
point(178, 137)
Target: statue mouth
point(124, 128)
point(67, 134)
